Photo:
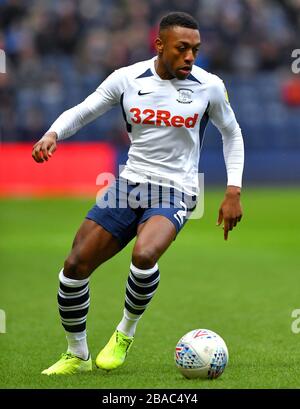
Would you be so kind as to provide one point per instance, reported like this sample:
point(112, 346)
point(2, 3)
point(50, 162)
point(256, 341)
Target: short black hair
point(178, 18)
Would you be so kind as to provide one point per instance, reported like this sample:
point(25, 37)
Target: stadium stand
point(59, 51)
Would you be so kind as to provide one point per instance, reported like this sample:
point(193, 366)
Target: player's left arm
point(222, 115)
point(230, 212)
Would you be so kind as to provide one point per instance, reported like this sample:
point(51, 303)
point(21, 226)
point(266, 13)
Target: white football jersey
point(165, 120)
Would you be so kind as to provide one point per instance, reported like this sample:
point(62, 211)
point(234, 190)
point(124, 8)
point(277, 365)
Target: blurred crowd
point(58, 51)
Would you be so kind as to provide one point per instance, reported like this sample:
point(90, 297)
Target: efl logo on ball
point(201, 353)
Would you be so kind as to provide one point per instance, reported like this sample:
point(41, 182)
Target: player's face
point(177, 48)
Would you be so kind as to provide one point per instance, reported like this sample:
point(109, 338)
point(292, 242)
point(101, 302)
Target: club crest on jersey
point(184, 95)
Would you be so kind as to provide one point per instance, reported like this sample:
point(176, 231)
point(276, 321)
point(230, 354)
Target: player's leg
point(92, 246)
point(108, 228)
point(154, 236)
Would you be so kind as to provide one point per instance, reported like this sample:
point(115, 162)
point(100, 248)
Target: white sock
point(77, 341)
point(128, 323)
point(77, 344)
point(130, 320)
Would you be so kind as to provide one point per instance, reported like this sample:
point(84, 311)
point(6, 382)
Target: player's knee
point(76, 269)
point(144, 258)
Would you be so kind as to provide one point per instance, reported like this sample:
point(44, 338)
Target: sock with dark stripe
point(73, 303)
point(140, 289)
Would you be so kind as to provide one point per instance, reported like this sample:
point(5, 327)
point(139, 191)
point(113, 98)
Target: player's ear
point(159, 45)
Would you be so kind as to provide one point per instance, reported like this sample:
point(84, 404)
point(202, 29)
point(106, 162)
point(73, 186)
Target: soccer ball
point(201, 353)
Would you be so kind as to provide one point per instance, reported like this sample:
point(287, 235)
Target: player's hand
point(45, 147)
point(230, 211)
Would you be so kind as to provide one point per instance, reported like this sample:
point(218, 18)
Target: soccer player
point(166, 104)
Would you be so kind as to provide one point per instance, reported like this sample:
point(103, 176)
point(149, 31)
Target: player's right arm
point(70, 121)
point(45, 147)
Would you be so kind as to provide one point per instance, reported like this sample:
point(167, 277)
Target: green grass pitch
point(244, 289)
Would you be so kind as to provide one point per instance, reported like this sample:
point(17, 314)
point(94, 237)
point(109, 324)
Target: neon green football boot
point(115, 351)
point(69, 364)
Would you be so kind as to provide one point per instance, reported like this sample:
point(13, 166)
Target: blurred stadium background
point(57, 53)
